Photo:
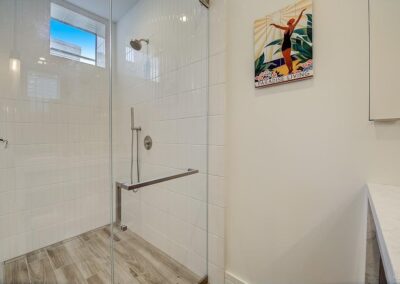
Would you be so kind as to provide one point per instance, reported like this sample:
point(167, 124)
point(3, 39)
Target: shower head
point(136, 44)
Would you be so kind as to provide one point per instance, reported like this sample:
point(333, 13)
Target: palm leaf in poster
point(260, 65)
point(275, 42)
point(309, 27)
point(309, 19)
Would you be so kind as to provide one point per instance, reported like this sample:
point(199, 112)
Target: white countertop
point(385, 206)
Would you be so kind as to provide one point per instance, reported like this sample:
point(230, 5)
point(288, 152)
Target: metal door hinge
point(205, 3)
point(4, 141)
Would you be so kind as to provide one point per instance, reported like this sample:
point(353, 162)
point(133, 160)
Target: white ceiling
point(101, 7)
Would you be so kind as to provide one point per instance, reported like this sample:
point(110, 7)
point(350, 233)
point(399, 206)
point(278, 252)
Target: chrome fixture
point(148, 142)
point(206, 3)
point(136, 44)
point(4, 141)
point(135, 187)
point(137, 130)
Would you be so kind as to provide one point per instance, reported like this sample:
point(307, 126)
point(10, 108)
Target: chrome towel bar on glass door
point(155, 181)
point(134, 187)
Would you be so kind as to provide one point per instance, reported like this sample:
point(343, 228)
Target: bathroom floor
point(86, 259)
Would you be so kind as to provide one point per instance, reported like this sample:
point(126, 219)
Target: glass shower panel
point(54, 112)
point(160, 108)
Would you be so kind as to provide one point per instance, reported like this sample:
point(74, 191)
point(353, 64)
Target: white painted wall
point(299, 154)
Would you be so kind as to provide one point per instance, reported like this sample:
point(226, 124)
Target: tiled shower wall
point(216, 141)
point(168, 84)
point(54, 174)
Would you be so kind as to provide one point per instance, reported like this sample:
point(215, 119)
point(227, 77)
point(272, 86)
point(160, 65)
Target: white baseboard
point(232, 279)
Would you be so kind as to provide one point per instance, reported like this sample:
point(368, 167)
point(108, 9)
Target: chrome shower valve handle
point(4, 141)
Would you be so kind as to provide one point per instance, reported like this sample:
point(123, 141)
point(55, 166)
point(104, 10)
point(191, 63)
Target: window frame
point(91, 16)
point(72, 54)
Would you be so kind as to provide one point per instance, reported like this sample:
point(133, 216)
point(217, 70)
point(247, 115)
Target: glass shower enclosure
point(103, 141)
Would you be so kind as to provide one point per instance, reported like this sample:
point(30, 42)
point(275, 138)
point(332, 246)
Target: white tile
point(179, 253)
point(46, 196)
point(7, 179)
point(199, 241)
point(198, 213)
point(179, 231)
point(155, 219)
point(179, 206)
point(6, 225)
point(216, 220)
point(198, 158)
point(29, 111)
point(7, 201)
point(216, 160)
point(1, 270)
point(216, 274)
point(217, 99)
point(216, 250)
point(216, 190)
point(197, 186)
point(197, 264)
point(15, 246)
point(216, 130)
point(217, 35)
point(7, 157)
point(217, 69)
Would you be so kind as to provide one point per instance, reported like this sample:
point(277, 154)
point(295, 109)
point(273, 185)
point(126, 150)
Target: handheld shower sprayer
point(132, 118)
point(133, 130)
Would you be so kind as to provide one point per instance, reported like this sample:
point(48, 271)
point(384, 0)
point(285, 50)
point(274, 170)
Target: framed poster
point(284, 45)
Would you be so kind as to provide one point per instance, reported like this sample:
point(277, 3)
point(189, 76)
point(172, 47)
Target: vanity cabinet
point(383, 235)
point(384, 22)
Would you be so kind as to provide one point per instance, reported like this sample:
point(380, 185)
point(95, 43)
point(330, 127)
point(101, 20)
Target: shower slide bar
point(134, 187)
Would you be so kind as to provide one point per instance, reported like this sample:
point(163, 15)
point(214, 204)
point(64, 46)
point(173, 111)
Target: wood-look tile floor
point(86, 259)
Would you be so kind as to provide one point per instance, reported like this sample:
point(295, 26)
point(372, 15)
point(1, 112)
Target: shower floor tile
point(86, 259)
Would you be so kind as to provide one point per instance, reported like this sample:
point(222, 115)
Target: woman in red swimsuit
point(287, 43)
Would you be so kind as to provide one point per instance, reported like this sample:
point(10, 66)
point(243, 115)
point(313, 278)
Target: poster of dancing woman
point(284, 45)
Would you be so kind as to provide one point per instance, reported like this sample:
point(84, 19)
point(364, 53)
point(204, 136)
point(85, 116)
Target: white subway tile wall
point(168, 89)
point(54, 179)
point(167, 84)
point(216, 140)
point(171, 106)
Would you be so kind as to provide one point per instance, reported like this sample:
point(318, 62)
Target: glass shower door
point(55, 180)
point(160, 108)
point(58, 209)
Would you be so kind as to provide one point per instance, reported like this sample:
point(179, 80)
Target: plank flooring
point(86, 259)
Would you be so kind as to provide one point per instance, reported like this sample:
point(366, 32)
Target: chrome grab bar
point(134, 187)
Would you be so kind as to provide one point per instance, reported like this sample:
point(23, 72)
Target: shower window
point(76, 37)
